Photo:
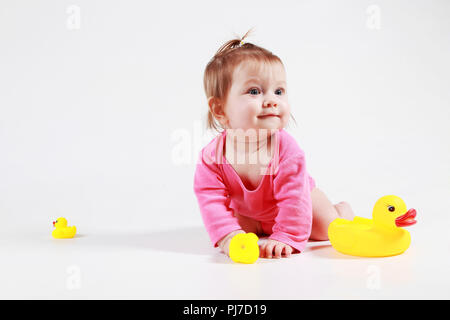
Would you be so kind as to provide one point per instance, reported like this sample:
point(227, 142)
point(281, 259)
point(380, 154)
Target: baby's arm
point(293, 195)
point(213, 198)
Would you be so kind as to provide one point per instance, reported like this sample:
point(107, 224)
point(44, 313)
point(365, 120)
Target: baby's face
point(256, 92)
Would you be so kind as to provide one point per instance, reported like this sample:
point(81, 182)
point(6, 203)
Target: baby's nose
point(268, 104)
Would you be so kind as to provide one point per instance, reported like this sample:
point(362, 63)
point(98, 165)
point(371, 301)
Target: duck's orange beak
point(53, 223)
point(407, 219)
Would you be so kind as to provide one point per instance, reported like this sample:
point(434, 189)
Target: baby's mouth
point(268, 116)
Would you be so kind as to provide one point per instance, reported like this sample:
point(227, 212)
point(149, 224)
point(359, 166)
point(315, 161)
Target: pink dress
point(281, 202)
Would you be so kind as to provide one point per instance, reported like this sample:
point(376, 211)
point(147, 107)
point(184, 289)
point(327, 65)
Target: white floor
point(181, 264)
point(102, 121)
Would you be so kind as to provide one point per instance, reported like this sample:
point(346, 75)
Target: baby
point(268, 190)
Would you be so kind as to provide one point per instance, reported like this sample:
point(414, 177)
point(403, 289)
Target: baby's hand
point(273, 248)
point(224, 243)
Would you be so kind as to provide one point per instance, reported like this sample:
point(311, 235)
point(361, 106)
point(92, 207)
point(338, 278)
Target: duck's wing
point(345, 235)
point(363, 221)
point(341, 233)
point(70, 231)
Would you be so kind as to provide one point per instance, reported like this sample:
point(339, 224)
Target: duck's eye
point(391, 208)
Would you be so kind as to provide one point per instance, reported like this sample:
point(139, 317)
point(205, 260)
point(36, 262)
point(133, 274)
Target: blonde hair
point(219, 70)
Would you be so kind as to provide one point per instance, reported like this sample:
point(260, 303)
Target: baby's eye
point(280, 91)
point(253, 91)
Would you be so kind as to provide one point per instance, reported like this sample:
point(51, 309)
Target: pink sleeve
point(293, 195)
point(212, 197)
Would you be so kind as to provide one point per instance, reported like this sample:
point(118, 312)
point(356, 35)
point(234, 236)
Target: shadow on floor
point(188, 240)
point(327, 251)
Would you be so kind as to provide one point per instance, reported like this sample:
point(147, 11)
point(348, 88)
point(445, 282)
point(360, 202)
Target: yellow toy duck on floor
point(244, 248)
point(380, 236)
point(62, 231)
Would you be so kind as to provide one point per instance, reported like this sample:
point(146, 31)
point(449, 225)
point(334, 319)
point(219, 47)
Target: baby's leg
point(324, 212)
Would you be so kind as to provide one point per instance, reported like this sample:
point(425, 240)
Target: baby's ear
point(216, 108)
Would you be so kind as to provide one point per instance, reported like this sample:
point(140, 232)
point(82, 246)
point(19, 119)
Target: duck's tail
point(340, 235)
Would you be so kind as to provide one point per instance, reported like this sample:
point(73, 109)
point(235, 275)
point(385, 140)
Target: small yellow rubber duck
point(244, 248)
point(62, 231)
point(381, 236)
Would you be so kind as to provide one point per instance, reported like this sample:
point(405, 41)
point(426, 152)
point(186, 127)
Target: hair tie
point(242, 43)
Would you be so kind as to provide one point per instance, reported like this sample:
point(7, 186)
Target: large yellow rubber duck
point(380, 236)
point(62, 231)
point(244, 248)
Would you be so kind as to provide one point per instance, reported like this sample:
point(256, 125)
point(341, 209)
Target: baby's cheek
point(284, 119)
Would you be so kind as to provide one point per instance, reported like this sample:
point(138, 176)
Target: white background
point(98, 98)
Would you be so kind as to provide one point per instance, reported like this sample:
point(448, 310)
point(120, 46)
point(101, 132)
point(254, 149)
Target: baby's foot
point(344, 210)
